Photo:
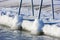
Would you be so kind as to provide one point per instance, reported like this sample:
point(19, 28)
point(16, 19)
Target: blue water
point(8, 34)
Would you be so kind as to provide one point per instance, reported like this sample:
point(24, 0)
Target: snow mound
point(11, 22)
point(52, 30)
point(33, 26)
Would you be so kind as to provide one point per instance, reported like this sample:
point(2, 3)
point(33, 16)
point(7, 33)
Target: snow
point(52, 30)
point(34, 27)
point(27, 25)
point(10, 17)
point(13, 23)
point(37, 26)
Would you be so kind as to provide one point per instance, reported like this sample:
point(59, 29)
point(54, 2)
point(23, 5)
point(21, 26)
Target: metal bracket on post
point(53, 8)
point(20, 7)
point(32, 8)
point(40, 9)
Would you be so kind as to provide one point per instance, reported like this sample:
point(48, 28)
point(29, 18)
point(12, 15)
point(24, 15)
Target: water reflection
point(8, 34)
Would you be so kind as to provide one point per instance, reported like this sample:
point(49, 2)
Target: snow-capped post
point(32, 8)
point(40, 9)
point(53, 8)
point(20, 7)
